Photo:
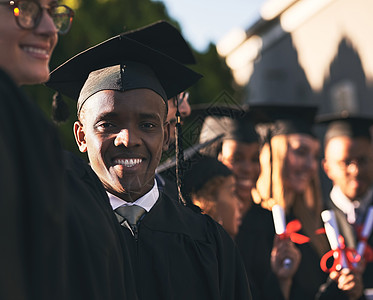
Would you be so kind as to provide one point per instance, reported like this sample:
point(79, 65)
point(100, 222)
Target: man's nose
point(122, 138)
point(126, 138)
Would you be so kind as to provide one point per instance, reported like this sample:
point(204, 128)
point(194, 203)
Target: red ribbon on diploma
point(291, 232)
point(350, 254)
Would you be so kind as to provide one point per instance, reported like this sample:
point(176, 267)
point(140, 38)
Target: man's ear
point(220, 157)
point(325, 166)
point(166, 136)
point(80, 136)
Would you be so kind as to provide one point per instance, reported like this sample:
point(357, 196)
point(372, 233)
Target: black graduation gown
point(251, 242)
point(60, 237)
point(32, 202)
point(99, 265)
point(167, 184)
point(255, 241)
point(180, 254)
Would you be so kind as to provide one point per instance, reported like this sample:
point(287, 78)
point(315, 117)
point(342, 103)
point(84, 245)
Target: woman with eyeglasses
point(59, 236)
point(28, 35)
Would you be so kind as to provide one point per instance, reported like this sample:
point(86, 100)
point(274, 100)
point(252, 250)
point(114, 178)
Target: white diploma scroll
point(366, 231)
point(332, 233)
point(279, 220)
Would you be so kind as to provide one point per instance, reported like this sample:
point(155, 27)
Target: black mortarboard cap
point(233, 122)
point(286, 118)
point(346, 124)
point(202, 170)
point(188, 154)
point(238, 129)
point(121, 63)
point(165, 38)
point(203, 110)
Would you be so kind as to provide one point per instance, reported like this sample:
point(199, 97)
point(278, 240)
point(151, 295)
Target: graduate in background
point(238, 148)
point(122, 87)
point(211, 186)
point(289, 177)
point(348, 163)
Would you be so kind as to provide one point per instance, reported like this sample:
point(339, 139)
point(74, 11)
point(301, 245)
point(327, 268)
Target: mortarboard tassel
point(179, 153)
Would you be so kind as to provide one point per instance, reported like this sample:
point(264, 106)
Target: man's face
point(243, 160)
point(348, 163)
point(124, 134)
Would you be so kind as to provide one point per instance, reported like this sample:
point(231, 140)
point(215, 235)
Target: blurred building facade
point(318, 51)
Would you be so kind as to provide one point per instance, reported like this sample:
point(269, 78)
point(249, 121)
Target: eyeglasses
point(28, 14)
point(360, 162)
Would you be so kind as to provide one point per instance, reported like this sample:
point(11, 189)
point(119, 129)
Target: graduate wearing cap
point(210, 185)
point(164, 37)
point(238, 149)
point(121, 87)
point(348, 163)
point(289, 178)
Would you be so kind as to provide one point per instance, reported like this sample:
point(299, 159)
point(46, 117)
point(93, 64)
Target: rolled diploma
point(332, 232)
point(280, 226)
point(365, 233)
point(279, 219)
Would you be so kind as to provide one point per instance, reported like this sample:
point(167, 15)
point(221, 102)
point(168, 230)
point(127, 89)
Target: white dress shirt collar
point(347, 206)
point(146, 202)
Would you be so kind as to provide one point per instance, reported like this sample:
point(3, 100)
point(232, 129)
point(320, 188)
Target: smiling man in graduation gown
point(348, 163)
point(122, 87)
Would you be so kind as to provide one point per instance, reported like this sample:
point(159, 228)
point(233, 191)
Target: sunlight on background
point(317, 28)
point(74, 4)
point(318, 39)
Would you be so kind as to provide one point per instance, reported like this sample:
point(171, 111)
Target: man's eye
point(104, 125)
point(301, 152)
point(237, 158)
point(173, 122)
point(148, 125)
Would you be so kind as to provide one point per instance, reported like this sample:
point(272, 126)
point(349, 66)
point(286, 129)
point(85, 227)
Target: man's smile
point(127, 162)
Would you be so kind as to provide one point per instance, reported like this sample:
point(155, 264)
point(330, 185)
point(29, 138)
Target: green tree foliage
point(98, 20)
